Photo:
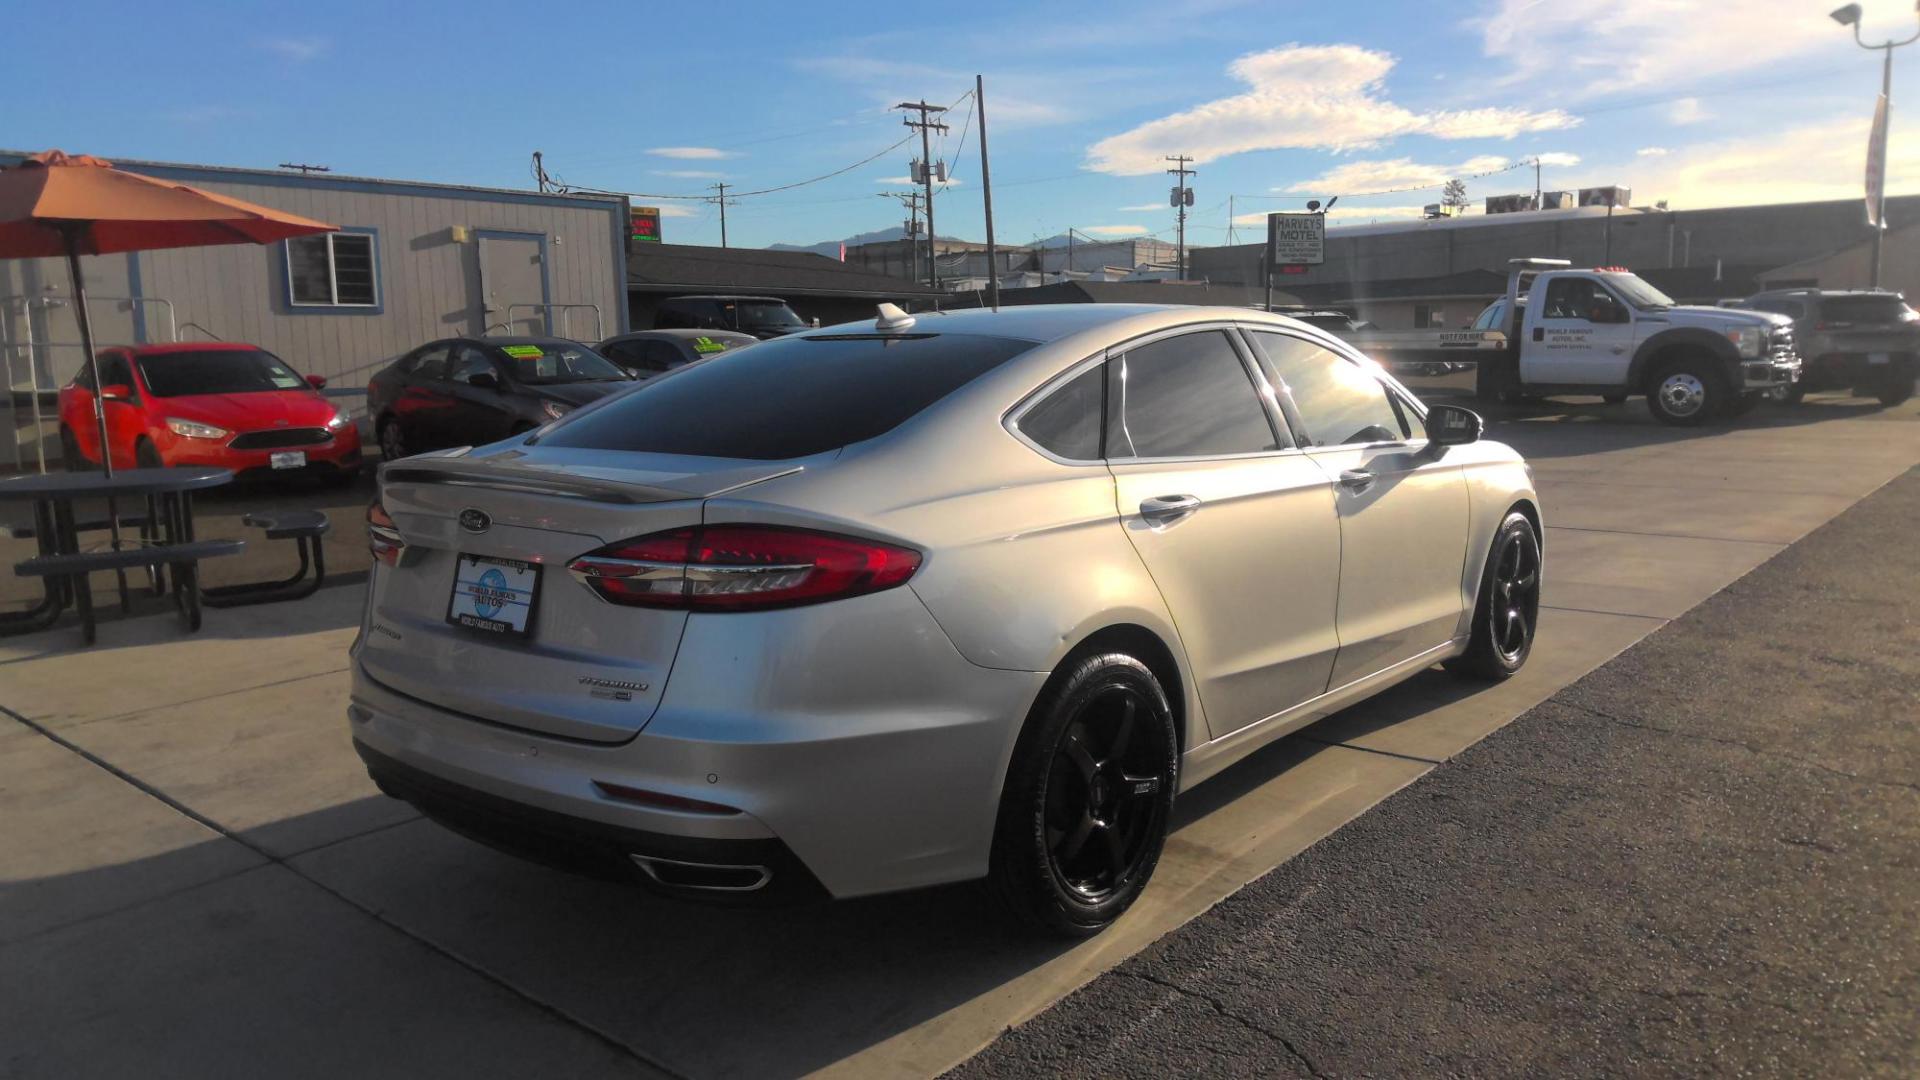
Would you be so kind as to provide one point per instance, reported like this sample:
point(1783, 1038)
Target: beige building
point(411, 262)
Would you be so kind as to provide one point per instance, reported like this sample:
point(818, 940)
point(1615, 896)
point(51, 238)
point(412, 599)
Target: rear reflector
point(741, 568)
point(383, 540)
point(661, 799)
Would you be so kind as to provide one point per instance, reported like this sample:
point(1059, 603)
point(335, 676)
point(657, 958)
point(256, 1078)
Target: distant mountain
point(831, 248)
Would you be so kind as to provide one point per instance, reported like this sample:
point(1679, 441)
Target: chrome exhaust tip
point(707, 877)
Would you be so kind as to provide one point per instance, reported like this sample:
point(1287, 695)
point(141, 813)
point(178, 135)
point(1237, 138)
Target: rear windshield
point(790, 397)
point(543, 362)
point(1862, 309)
point(217, 371)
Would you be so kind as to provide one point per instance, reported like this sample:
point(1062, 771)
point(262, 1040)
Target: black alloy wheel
point(1507, 617)
point(393, 443)
point(1089, 792)
point(1101, 793)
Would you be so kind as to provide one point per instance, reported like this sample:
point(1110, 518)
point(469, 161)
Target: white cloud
point(297, 50)
point(1652, 151)
point(1304, 97)
point(915, 184)
point(1629, 44)
point(691, 153)
point(1357, 176)
point(690, 174)
point(1351, 215)
point(1815, 161)
point(1144, 208)
point(1558, 160)
point(1115, 230)
point(1686, 111)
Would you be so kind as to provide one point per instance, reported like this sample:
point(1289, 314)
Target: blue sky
point(1700, 102)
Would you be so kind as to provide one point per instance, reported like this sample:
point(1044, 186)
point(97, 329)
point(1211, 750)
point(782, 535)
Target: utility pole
point(722, 200)
point(305, 169)
point(986, 193)
point(925, 170)
point(1536, 184)
point(539, 172)
point(1182, 198)
point(1877, 143)
point(910, 200)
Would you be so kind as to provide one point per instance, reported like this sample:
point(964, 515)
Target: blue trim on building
point(288, 307)
point(133, 290)
point(546, 280)
point(623, 213)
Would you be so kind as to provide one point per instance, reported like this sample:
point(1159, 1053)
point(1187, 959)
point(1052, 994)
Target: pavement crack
point(1740, 744)
point(1220, 1007)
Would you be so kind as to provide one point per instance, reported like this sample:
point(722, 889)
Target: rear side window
point(789, 398)
point(1187, 396)
point(1339, 401)
point(1066, 423)
point(1791, 308)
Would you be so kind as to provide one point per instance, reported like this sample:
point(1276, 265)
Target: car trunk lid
point(586, 669)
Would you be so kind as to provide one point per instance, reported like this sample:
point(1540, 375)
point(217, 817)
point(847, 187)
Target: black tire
point(1744, 404)
point(1897, 386)
point(1688, 390)
point(1083, 817)
point(1507, 614)
point(70, 455)
point(393, 441)
point(1789, 395)
point(146, 455)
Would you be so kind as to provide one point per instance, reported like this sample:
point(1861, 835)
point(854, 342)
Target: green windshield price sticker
point(521, 352)
point(704, 345)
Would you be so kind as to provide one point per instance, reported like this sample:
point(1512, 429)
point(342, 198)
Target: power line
point(743, 194)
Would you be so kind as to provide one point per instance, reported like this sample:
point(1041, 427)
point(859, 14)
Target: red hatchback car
point(208, 403)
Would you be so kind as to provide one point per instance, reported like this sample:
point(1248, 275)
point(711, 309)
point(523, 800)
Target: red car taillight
point(382, 538)
point(741, 568)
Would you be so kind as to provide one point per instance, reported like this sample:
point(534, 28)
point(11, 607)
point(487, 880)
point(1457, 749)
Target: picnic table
point(164, 540)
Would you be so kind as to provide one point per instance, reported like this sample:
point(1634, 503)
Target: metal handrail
point(49, 300)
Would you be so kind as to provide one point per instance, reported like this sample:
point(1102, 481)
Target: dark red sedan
point(208, 403)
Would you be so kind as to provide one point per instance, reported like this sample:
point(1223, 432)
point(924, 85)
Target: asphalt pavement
point(1701, 858)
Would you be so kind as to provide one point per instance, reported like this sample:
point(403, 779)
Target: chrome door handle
point(1356, 479)
point(1164, 508)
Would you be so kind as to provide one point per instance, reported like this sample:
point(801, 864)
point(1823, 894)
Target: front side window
point(832, 391)
point(332, 270)
point(217, 371)
point(1579, 298)
point(1187, 396)
point(1066, 423)
point(1340, 403)
point(470, 361)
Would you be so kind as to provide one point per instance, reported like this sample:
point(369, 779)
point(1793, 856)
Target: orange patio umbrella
point(55, 204)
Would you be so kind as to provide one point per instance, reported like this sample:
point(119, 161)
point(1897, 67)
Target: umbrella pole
point(86, 346)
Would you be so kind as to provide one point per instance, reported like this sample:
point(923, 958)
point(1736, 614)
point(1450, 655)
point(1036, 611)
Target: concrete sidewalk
point(197, 879)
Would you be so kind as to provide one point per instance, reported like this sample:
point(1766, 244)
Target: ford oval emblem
point(474, 521)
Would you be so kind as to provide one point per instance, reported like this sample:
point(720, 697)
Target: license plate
point(288, 459)
point(495, 596)
point(1879, 358)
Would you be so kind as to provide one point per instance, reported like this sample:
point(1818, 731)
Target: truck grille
point(1781, 347)
point(280, 437)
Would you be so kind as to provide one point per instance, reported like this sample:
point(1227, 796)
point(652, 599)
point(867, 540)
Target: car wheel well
point(1526, 507)
point(1657, 361)
point(1145, 646)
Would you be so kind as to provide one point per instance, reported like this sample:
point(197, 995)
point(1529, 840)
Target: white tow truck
point(1604, 331)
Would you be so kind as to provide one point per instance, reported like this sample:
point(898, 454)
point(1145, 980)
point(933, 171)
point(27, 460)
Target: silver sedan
point(922, 600)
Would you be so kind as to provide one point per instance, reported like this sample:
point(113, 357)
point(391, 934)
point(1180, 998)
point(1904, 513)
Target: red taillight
point(742, 568)
point(382, 538)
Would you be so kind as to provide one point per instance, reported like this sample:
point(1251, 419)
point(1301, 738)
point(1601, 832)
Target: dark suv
point(762, 316)
point(1865, 339)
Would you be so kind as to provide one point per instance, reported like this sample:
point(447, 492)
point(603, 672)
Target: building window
point(333, 270)
point(1428, 317)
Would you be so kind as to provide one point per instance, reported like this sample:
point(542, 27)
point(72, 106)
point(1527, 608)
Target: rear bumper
point(1851, 367)
point(852, 734)
point(762, 871)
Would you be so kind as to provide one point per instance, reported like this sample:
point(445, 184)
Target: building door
point(513, 282)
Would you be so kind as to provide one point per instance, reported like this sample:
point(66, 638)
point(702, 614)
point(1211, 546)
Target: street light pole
point(1850, 16)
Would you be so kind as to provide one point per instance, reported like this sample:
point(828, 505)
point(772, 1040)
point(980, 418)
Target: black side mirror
point(1451, 425)
point(484, 380)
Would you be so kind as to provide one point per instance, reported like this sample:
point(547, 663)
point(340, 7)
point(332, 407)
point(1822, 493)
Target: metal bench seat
point(304, 528)
point(181, 557)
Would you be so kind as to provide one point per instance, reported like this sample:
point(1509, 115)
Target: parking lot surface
point(200, 880)
point(1702, 858)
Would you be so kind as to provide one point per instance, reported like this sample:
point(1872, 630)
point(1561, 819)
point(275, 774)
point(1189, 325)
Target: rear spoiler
point(594, 484)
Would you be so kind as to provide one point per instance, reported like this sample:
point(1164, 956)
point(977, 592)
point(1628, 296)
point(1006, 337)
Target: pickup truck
point(1604, 331)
